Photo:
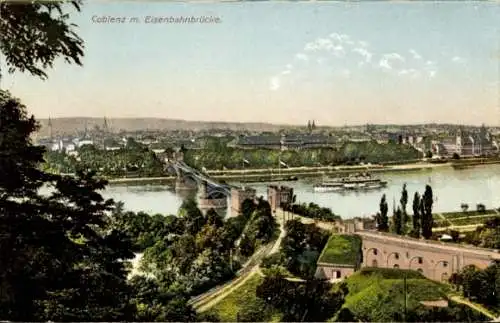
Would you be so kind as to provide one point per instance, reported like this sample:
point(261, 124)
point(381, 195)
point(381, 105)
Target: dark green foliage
point(135, 160)
point(155, 303)
point(416, 215)
point(377, 295)
point(216, 155)
point(192, 217)
point(256, 311)
point(382, 218)
point(313, 211)
point(260, 228)
point(214, 219)
point(482, 286)
point(248, 206)
point(345, 315)
point(487, 235)
point(427, 221)
point(453, 313)
point(59, 247)
point(398, 221)
point(45, 22)
point(404, 201)
point(311, 301)
point(301, 248)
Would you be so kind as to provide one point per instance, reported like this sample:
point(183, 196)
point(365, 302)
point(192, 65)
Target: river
point(451, 188)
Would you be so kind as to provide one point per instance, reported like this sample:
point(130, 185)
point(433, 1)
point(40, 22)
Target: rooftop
point(341, 249)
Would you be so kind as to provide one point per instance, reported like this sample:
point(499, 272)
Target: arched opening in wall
point(396, 266)
point(374, 263)
point(375, 251)
point(444, 277)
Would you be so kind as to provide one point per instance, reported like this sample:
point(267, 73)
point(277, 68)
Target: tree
point(404, 201)
point(192, 216)
point(313, 300)
point(383, 219)
point(427, 221)
point(416, 214)
point(45, 22)
point(398, 221)
point(59, 257)
point(464, 207)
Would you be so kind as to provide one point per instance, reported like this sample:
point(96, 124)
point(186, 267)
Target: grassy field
point(228, 308)
point(377, 294)
point(462, 218)
point(462, 214)
point(341, 249)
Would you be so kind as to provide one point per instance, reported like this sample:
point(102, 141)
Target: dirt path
point(442, 217)
point(228, 290)
point(206, 301)
point(477, 307)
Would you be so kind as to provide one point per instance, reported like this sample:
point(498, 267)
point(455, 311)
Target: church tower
point(50, 129)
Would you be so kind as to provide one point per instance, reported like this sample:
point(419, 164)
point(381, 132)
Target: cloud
point(363, 43)
point(319, 44)
point(325, 44)
point(285, 72)
point(384, 63)
point(302, 57)
point(411, 72)
point(458, 59)
point(415, 54)
point(340, 37)
point(432, 74)
point(394, 56)
point(338, 51)
point(274, 83)
point(363, 52)
point(387, 60)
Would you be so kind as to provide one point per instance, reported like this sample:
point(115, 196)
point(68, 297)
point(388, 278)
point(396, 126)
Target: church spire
point(50, 128)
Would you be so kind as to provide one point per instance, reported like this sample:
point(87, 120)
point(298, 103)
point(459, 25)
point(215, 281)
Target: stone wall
point(435, 260)
point(333, 272)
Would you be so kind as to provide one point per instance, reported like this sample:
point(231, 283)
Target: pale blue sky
point(283, 62)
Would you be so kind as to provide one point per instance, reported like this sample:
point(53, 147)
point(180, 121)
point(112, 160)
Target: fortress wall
point(435, 261)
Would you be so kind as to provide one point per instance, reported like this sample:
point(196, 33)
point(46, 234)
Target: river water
point(451, 188)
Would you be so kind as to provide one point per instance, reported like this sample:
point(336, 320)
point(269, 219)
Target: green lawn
point(341, 249)
point(377, 294)
point(476, 219)
point(228, 308)
point(461, 214)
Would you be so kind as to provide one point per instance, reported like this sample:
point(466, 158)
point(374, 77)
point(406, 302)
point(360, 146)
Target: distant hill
point(72, 125)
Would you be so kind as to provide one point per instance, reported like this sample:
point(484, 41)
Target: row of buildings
point(466, 143)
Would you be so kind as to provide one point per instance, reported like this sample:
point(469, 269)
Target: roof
point(259, 140)
point(341, 249)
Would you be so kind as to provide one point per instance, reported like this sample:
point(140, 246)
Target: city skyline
point(279, 63)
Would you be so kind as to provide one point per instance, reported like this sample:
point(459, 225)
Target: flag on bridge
point(246, 161)
point(282, 163)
